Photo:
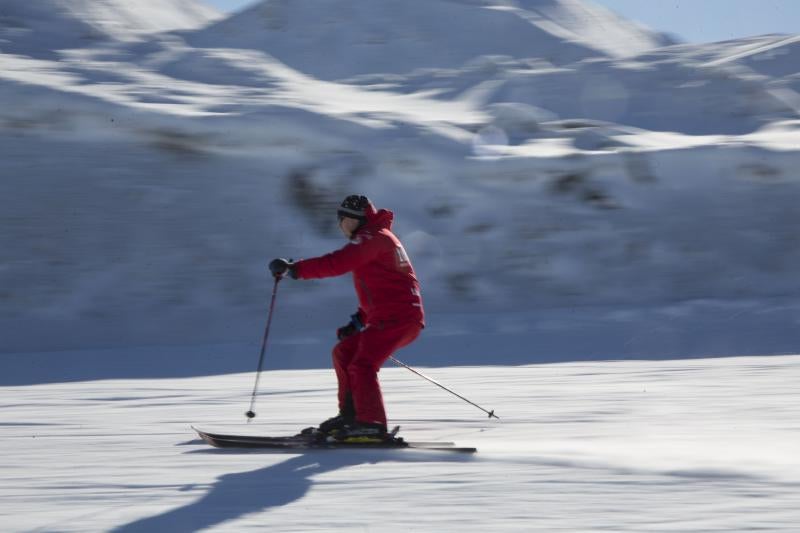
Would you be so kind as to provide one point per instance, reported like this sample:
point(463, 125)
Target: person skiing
point(390, 313)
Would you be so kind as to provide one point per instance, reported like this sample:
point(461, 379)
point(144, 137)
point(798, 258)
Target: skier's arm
point(342, 261)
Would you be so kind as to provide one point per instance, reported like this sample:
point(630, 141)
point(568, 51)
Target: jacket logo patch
point(402, 256)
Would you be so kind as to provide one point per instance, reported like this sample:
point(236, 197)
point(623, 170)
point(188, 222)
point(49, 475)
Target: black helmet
point(354, 206)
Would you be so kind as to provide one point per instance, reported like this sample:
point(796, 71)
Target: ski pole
point(251, 414)
point(420, 374)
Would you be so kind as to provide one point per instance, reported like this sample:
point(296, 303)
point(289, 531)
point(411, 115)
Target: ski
point(311, 442)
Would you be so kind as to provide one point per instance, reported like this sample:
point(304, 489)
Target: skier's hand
point(346, 331)
point(281, 267)
point(350, 329)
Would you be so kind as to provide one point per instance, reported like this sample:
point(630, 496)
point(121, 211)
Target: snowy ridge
point(771, 55)
point(592, 24)
point(46, 25)
point(763, 52)
point(391, 36)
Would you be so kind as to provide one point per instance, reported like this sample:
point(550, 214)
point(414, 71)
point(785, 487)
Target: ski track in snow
point(700, 445)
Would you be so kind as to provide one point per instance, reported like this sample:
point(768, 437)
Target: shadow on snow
point(233, 496)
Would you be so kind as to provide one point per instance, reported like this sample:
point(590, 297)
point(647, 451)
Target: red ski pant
point(357, 360)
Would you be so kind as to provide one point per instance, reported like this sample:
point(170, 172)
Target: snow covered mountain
point(776, 57)
point(41, 26)
point(166, 172)
point(334, 39)
point(770, 55)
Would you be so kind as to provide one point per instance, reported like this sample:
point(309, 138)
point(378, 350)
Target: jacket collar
point(377, 219)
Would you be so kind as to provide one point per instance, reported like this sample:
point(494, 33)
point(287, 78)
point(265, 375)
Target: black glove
point(346, 331)
point(350, 329)
point(282, 267)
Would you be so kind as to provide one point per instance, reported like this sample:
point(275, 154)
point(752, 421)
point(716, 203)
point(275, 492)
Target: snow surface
point(573, 190)
point(703, 445)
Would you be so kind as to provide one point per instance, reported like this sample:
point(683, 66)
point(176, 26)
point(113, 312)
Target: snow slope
point(706, 445)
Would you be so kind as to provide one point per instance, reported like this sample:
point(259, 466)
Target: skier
point(390, 313)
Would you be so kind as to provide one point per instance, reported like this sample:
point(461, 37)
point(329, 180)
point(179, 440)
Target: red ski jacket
point(385, 282)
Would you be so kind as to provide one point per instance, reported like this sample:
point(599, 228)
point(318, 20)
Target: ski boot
point(335, 423)
point(347, 415)
point(325, 429)
point(361, 433)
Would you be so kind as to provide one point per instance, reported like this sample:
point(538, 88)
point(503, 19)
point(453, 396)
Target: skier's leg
point(343, 354)
point(376, 346)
